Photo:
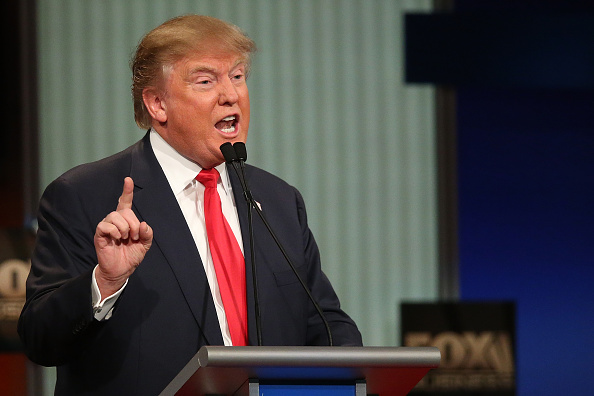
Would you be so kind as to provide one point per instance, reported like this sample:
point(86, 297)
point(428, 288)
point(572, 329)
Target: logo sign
point(476, 341)
point(13, 275)
point(14, 269)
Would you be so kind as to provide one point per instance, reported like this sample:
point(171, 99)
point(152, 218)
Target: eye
point(203, 81)
point(238, 75)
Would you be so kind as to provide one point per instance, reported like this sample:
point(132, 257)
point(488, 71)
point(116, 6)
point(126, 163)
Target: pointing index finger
point(125, 200)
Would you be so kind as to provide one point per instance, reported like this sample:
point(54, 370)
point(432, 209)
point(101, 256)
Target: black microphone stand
point(231, 158)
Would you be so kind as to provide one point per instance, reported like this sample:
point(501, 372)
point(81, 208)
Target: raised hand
point(121, 242)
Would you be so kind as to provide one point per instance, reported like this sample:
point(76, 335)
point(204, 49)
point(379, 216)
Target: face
point(204, 103)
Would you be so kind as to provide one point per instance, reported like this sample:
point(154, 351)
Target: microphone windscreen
point(241, 151)
point(228, 152)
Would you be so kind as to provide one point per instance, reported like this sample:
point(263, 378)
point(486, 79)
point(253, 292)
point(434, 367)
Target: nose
point(227, 92)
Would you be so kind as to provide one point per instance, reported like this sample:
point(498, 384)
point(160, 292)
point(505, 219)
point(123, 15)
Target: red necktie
point(227, 258)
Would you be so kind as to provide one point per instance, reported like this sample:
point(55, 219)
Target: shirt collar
point(179, 170)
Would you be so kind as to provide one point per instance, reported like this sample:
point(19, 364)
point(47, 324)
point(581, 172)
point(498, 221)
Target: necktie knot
point(208, 177)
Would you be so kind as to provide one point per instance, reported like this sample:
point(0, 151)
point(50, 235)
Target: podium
point(288, 371)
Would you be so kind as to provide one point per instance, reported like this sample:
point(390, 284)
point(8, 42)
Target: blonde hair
point(174, 40)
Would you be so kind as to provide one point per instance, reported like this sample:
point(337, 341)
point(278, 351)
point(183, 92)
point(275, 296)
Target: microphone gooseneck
point(241, 157)
point(231, 157)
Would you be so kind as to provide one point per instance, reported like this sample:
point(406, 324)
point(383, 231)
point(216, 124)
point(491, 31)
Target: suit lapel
point(156, 204)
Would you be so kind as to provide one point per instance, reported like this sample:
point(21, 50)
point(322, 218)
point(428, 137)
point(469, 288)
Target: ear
point(153, 100)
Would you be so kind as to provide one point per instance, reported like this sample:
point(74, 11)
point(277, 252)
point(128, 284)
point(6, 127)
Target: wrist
point(108, 285)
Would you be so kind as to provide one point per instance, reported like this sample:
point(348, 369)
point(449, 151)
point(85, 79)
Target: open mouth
point(227, 124)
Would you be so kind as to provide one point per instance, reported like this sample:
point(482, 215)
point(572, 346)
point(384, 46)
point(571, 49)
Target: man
point(120, 300)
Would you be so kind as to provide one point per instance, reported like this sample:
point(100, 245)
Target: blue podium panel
point(310, 390)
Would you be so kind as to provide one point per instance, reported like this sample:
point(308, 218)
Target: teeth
point(227, 124)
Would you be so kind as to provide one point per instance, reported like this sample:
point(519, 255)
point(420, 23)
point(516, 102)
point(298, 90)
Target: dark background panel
point(522, 48)
point(11, 173)
point(18, 180)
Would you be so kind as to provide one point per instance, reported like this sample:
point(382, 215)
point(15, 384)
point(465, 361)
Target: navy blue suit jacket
point(166, 312)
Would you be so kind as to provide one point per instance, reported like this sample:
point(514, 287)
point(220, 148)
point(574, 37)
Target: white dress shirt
point(181, 173)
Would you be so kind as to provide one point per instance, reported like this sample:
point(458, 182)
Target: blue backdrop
point(526, 201)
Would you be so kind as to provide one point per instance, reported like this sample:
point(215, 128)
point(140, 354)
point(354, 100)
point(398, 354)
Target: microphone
point(241, 157)
point(228, 152)
point(241, 152)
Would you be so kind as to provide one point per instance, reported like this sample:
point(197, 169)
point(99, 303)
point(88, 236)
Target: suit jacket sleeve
point(343, 329)
point(57, 320)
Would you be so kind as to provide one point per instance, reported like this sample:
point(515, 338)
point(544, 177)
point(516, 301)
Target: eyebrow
point(212, 70)
point(202, 69)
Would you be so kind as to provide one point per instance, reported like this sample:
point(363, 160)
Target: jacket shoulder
point(115, 166)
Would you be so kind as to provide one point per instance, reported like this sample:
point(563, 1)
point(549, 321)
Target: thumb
point(145, 235)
